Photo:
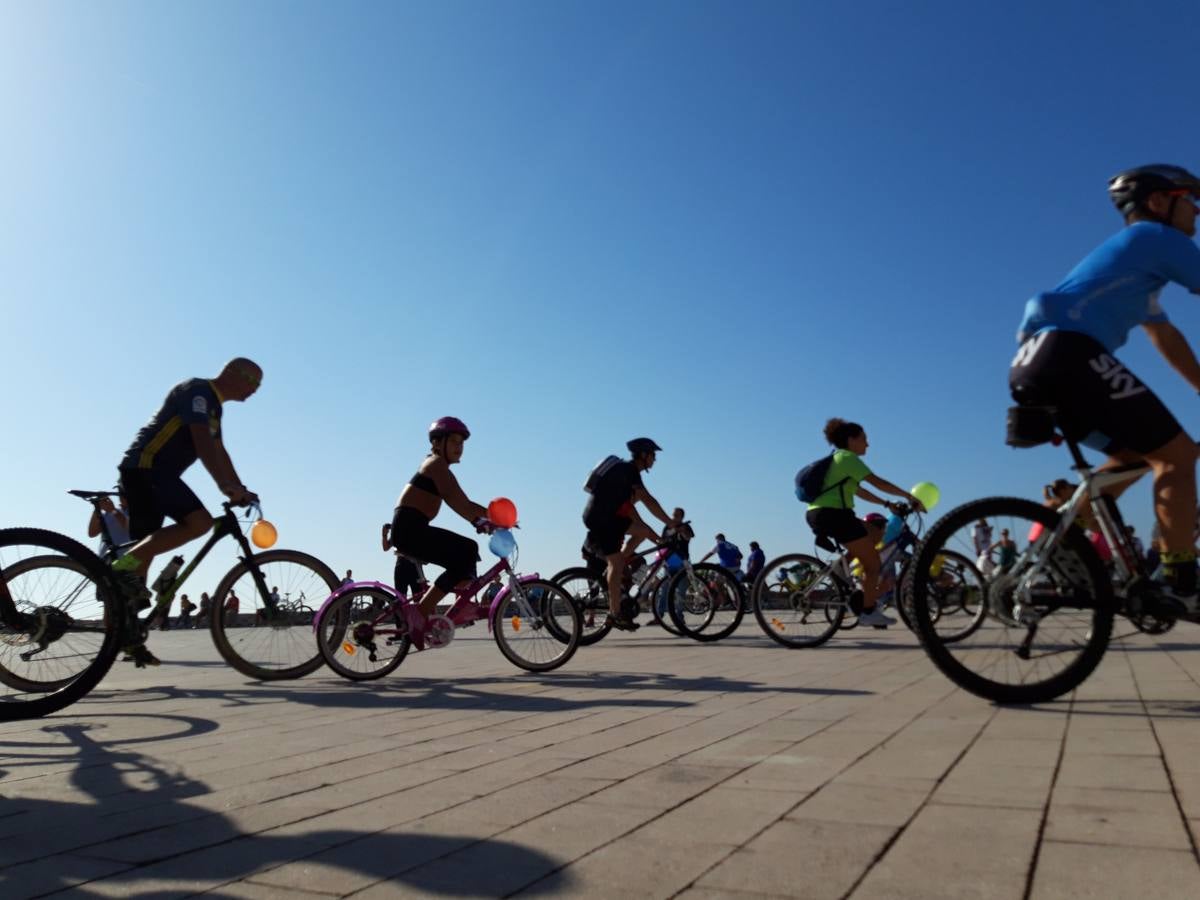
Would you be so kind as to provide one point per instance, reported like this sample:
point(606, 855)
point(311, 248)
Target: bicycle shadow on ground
point(1138, 709)
point(150, 835)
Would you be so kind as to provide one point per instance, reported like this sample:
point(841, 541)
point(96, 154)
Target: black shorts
point(605, 536)
point(1100, 403)
point(152, 496)
point(413, 536)
point(840, 524)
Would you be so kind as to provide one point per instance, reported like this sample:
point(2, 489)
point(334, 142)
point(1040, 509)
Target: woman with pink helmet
point(420, 502)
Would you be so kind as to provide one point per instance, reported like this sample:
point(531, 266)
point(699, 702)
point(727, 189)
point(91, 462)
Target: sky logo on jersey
point(1120, 379)
point(1028, 350)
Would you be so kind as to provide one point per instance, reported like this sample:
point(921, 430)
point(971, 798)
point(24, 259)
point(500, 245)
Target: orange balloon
point(263, 534)
point(503, 512)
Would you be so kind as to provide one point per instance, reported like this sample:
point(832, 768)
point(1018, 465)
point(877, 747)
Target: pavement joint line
point(732, 775)
point(1187, 825)
point(1031, 871)
point(450, 775)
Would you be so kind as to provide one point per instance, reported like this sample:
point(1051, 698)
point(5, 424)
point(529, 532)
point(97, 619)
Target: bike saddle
point(92, 495)
point(825, 542)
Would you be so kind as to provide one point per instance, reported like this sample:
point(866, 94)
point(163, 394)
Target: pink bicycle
point(363, 633)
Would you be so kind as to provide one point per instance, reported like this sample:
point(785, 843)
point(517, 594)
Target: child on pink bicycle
point(413, 536)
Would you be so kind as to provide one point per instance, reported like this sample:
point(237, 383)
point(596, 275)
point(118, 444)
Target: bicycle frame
point(227, 523)
point(1090, 495)
point(467, 594)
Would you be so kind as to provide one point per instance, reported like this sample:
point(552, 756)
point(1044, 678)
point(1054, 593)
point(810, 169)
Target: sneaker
point(1178, 602)
point(875, 617)
point(141, 656)
point(623, 624)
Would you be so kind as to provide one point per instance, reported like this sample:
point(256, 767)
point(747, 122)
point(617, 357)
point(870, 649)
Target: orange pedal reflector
point(516, 623)
point(349, 648)
point(779, 625)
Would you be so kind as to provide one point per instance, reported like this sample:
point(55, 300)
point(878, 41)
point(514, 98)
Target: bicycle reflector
point(263, 534)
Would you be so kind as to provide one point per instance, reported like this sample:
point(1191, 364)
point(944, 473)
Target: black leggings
point(413, 536)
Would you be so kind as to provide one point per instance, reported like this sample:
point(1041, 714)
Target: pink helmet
point(874, 518)
point(448, 425)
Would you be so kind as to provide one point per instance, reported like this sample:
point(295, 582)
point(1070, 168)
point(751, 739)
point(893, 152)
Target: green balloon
point(927, 492)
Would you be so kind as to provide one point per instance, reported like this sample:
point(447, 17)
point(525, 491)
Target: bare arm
point(453, 493)
point(641, 495)
point(387, 533)
point(1170, 342)
point(94, 523)
point(888, 488)
point(212, 454)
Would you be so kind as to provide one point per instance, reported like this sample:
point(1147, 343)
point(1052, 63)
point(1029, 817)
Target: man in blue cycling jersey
point(1068, 337)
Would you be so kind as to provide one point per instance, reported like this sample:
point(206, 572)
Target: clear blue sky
point(568, 223)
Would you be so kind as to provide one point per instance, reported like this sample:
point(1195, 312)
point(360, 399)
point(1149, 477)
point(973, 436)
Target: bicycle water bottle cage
point(1030, 426)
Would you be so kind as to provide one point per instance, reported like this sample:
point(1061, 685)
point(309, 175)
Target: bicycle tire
point(707, 574)
point(764, 592)
point(1074, 559)
point(340, 640)
point(661, 617)
point(589, 605)
point(274, 658)
point(37, 698)
point(549, 600)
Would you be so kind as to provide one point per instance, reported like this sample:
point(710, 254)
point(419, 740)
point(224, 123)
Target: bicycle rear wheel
point(60, 622)
point(363, 634)
point(531, 622)
point(798, 601)
point(1031, 631)
point(707, 603)
point(590, 594)
point(258, 640)
point(659, 603)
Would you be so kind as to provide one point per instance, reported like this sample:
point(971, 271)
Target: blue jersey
point(1116, 287)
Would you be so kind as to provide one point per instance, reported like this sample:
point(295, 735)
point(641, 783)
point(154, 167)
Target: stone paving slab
point(648, 767)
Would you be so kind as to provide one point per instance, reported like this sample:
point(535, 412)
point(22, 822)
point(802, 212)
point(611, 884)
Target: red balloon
point(503, 512)
point(1035, 531)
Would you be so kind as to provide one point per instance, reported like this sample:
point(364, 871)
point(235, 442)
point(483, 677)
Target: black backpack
point(810, 481)
point(597, 474)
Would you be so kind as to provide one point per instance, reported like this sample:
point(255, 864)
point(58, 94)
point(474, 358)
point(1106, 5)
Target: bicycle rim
point(363, 634)
point(520, 626)
point(797, 602)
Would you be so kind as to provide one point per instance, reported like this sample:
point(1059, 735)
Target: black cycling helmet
point(642, 445)
point(1129, 189)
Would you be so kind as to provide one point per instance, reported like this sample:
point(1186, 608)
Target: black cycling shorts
point(153, 496)
point(840, 524)
point(413, 536)
point(407, 577)
point(1100, 403)
point(605, 536)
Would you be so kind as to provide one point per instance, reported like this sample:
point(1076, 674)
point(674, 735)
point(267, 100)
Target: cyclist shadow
point(135, 834)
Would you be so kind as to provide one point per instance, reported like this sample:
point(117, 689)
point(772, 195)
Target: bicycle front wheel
point(798, 601)
point(363, 634)
point(537, 625)
point(60, 622)
point(590, 594)
point(262, 640)
point(1030, 631)
point(706, 603)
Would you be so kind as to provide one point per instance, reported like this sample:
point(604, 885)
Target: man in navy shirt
point(187, 427)
point(1069, 335)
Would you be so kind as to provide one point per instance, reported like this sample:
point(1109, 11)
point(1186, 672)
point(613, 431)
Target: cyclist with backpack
point(614, 486)
point(829, 487)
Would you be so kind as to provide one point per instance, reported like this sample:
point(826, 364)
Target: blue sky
point(717, 224)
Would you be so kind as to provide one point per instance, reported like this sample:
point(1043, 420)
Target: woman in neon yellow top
point(832, 513)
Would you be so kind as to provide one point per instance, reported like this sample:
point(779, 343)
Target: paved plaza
point(648, 767)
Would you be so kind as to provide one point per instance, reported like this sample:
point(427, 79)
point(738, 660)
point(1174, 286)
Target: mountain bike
point(1046, 616)
point(363, 630)
point(644, 579)
point(66, 580)
point(801, 600)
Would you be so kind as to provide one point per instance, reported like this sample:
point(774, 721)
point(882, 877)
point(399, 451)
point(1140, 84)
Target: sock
point(1179, 569)
point(127, 563)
